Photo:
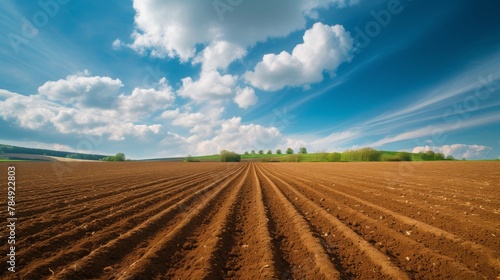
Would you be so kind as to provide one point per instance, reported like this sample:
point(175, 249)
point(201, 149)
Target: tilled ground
point(433, 220)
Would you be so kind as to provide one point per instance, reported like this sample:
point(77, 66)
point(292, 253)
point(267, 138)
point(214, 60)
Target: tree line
point(289, 151)
point(363, 154)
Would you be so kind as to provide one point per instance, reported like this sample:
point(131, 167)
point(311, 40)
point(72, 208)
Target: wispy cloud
point(438, 129)
point(444, 109)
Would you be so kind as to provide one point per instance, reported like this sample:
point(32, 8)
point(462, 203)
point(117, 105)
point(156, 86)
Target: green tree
point(403, 156)
point(120, 157)
point(450, 157)
point(261, 152)
point(302, 150)
point(321, 156)
point(370, 154)
point(429, 155)
point(335, 157)
point(439, 156)
point(117, 157)
point(278, 151)
point(253, 152)
point(269, 152)
point(289, 151)
point(228, 156)
point(364, 154)
point(246, 152)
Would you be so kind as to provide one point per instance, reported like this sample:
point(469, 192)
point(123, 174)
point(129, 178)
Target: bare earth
point(433, 220)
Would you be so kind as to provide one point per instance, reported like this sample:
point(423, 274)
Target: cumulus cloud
point(68, 106)
point(293, 143)
point(219, 55)
point(457, 150)
point(83, 90)
point(31, 112)
point(201, 123)
point(98, 122)
point(174, 28)
point(183, 119)
point(211, 86)
point(324, 49)
point(245, 97)
point(233, 135)
point(143, 102)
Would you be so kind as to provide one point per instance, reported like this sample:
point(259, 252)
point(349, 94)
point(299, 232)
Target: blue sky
point(171, 78)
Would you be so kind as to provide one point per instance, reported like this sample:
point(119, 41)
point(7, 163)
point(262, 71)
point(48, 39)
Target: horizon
point(257, 154)
point(103, 78)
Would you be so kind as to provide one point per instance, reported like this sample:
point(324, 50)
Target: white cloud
point(201, 123)
point(72, 114)
point(184, 119)
point(324, 49)
point(219, 55)
point(108, 123)
point(81, 89)
point(335, 139)
point(144, 102)
point(295, 144)
point(174, 28)
point(238, 137)
point(211, 86)
point(230, 134)
point(88, 121)
point(117, 44)
point(170, 114)
point(31, 112)
point(458, 151)
point(245, 97)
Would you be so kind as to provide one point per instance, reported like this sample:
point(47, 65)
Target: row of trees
point(117, 157)
point(369, 154)
point(289, 151)
point(364, 154)
point(431, 155)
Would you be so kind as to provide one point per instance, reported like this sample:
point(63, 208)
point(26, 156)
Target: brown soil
point(433, 220)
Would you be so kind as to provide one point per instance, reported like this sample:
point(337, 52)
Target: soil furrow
point(169, 220)
point(249, 243)
point(104, 223)
point(134, 199)
point(410, 255)
point(210, 240)
point(153, 261)
point(318, 262)
point(475, 256)
point(378, 259)
point(110, 249)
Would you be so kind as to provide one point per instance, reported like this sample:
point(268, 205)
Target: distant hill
point(8, 149)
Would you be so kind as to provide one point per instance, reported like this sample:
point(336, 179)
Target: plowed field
point(435, 220)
